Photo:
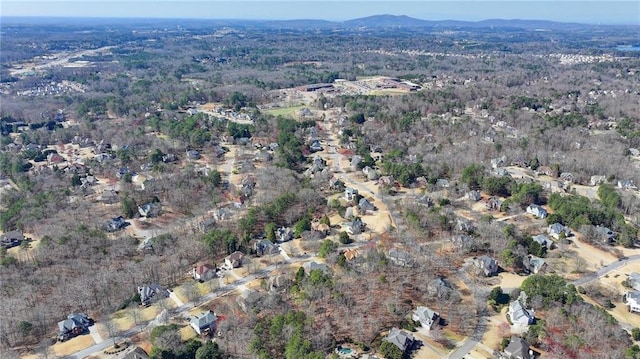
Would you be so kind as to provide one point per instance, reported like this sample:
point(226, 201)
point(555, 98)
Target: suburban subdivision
point(384, 187)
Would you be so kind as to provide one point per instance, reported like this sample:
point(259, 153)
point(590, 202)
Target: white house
point(519, 315)
point(204, 322)
point(556, 229)
point(427, 317)
point(537, 211)
point(633, 302)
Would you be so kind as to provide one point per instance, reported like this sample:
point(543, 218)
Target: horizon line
point(61, 17)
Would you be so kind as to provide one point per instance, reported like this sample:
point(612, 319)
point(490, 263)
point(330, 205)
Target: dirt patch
point(510, 281)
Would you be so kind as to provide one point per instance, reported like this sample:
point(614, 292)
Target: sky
point(589, 11)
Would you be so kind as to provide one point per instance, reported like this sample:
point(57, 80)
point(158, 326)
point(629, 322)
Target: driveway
point(93, 330)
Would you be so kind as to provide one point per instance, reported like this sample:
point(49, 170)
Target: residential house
point(498, 162)
point(626, 184)
point(487, 265)
point(463, 243)
point(265, 247)
point(365, 206)
point(464, 226)
point(355, 161)
point(169, 157)
point(608, 236)
point(116, 223)
point(439, 288)
point(401, 339)
point(221, 214)
point(206, 225)
point(284, 234)
point(336, 184)
point(11, 239)
point(373, 175)
point(520, 162)
point(278, 282)
point(535, 264)
point(193, 154)
point(473, 195)
point(356, 226)
point(311, 266)
point(109, 195)
point(151, 293)
point(567, 177)
point(151, 209)
point(135, 353)
point(323, 228)
point(633, 302)
point(519, 315)
point(203, 272)
point(102, 157)
point(204, 323)
point(386, 181)
point(518, 348)
point(634, 280)
point(442, 183)
point(428, 318)
point(248, 299)
point(123, 171)
point(597, 180)
point(350, 194)
point(546, 170)
point(424, 201)
point(537, 211)
point(234, 260)
point(501, 172)
point(494, 204)
point(75, 324)
point(399, 257)
point(88, 181)
point(351, 253)
point(555, 230)
point(315, 146)
point(544, 241)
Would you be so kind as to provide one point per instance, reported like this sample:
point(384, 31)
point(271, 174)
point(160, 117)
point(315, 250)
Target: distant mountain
point(386, 21)
point(378, 21)
point(369, 22)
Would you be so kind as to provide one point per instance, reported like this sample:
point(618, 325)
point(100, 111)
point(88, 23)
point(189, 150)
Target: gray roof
point(204, 320)
point(426, 316)
point(518, 348)
point(136, 353)
point(400, 338)
point(309, 266)
point(543, 240)
point(518, 313)
point(75, 320)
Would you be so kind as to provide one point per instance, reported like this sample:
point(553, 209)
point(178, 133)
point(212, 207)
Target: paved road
point(606, 269)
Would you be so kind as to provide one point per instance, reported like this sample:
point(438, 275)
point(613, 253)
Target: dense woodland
point(572, 118)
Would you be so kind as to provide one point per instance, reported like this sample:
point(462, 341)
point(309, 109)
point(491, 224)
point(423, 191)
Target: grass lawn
point(179, 291)
point(286, 111)
point(73, 345)
point(187, 333)
point(150, 312)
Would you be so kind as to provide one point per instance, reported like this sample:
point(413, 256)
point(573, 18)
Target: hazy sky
point(603, 11)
